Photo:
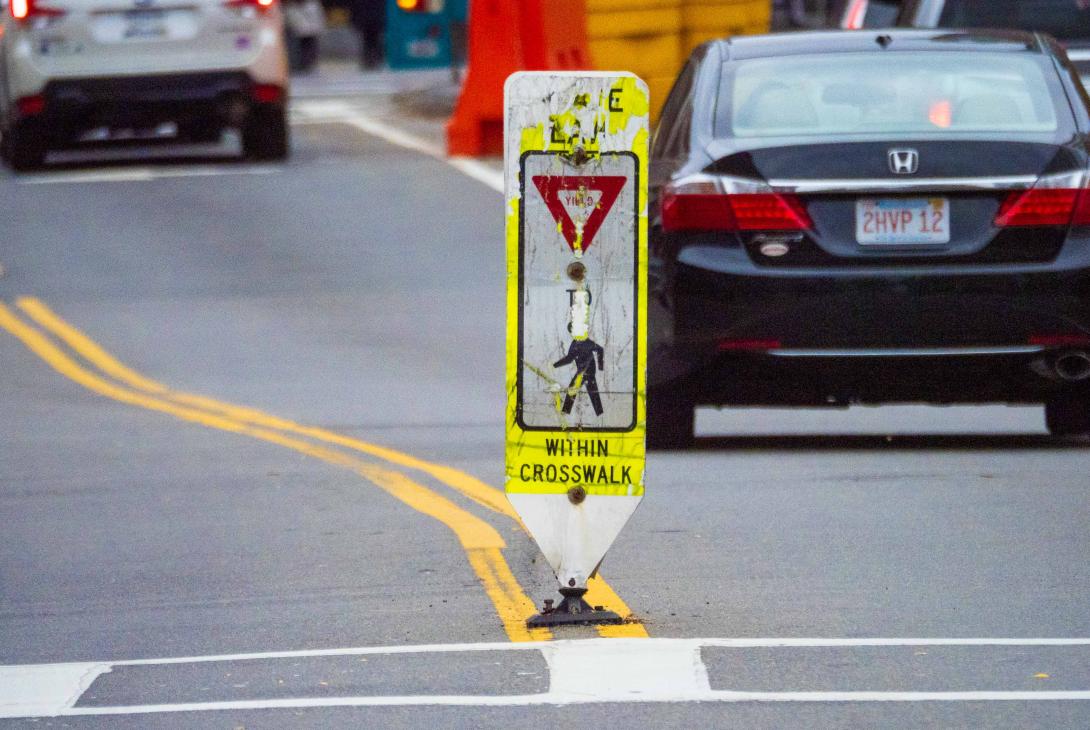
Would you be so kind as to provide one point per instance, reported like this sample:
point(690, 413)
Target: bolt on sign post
point(576, 190)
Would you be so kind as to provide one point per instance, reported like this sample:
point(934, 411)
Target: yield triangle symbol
point(579, 203)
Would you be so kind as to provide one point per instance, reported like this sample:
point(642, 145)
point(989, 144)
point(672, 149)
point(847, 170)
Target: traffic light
point(421, 6)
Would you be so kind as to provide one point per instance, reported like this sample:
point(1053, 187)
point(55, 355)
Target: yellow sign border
point(620, 115)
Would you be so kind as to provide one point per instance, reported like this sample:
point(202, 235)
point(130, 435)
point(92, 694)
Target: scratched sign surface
point(576, 164)
point(579, 258)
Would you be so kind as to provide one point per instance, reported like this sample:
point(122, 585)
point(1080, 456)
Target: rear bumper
point(72, 105)
point(868, 311)
point(863, 335)
point(179, 88)
point(834, 380)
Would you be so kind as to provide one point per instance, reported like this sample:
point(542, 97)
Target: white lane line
point(141, 174)
point(580, 671)
point(827, 643)
point(136, 174)
point(45, 690)
point(478, 171)
point(324, 112)
point(393, 135)
point(740, 643)
point(355, 651)
point(585, 698)
point(327, 109)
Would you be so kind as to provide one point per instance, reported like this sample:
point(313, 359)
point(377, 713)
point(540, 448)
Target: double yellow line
point(483, 545)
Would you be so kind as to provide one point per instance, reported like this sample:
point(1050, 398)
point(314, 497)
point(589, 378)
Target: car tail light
point(1082, 209)
point(1054, 200)
point(29, 9)
point(707, 203)
point(769, 212)
point(261, 5)
point(695, 205)
point(857, 13)
point(267, 93)
point(1037, 208)
point(30, 106)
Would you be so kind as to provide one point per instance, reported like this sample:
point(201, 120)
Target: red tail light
point(696, 206)
point(1081, 216)
point(261, 5)
point(710, 204)
point(769, 212)
point(28, 9)
point(267, 93)
point(1037, 208)
point(30, 106)
point(1056, 200)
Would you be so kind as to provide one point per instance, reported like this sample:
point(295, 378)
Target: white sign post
point(576, 183)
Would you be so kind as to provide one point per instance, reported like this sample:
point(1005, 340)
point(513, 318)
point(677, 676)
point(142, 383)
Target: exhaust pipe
point(1072, 365)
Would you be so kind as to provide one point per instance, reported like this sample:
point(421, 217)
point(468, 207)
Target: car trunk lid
point(922, 201)
point(131, 37)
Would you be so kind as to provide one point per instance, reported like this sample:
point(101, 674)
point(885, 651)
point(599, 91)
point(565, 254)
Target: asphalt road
point(356, 294)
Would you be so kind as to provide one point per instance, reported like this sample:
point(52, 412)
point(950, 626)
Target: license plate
point(145, 25)
point(902, 221)
point(133, 26)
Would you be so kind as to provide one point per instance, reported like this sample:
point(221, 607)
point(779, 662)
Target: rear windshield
point(1064, 19)
point(933, 93)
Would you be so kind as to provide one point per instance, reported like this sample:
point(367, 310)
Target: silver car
point(78, 71)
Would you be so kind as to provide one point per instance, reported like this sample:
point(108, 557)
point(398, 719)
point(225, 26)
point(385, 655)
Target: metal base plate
point(572, 611)
point(573, 619)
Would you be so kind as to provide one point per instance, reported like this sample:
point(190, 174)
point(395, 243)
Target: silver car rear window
point(932, 94)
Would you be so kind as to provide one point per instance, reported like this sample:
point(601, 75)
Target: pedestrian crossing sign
point(576, 184)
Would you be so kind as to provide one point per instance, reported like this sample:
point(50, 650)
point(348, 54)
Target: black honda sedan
point(852, 217)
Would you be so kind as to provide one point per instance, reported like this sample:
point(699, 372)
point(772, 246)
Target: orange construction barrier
point(507, 36)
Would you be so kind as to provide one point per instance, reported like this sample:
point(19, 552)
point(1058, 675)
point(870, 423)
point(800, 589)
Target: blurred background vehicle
point(80, 71)
point(1066, 20)
point(844, 218)
point(857, 14)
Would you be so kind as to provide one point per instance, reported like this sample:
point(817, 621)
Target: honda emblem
point(904, 162)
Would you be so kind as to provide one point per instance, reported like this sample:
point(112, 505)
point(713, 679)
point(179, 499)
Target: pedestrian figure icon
point(583, 353)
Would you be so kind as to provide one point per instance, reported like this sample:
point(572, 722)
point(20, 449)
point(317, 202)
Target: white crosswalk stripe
point(580, 672)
